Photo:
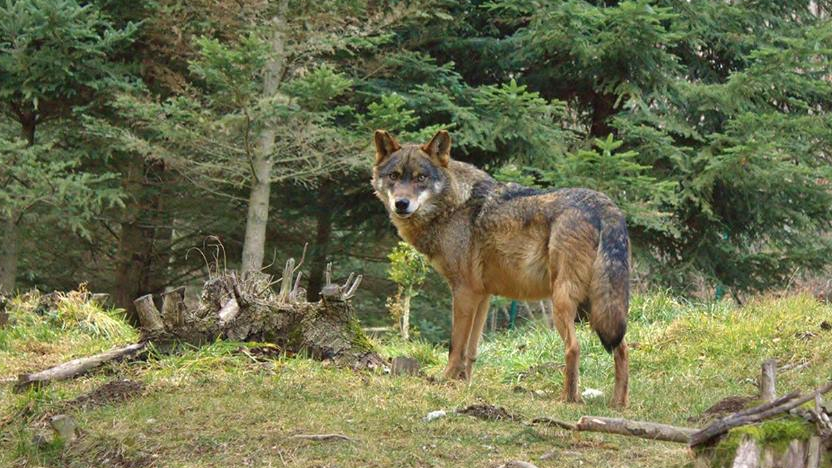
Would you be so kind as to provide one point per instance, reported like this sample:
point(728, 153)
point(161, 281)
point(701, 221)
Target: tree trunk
point(28, 128)
point(134, 258)
point(602, 109)
point(9, 250)
point(254, 244)
point(8, 255)
point(322, 236)
point(161, 220)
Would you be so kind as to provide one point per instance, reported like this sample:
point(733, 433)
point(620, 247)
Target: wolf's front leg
point(477, 326)
point(465, 305)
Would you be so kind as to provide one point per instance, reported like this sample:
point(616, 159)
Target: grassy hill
point(232, 404)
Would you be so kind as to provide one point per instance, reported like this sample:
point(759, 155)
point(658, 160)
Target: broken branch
point(76, 367)
point(643, 429)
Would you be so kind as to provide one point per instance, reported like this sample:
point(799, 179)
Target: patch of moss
point(776, 434)
point(359, 339)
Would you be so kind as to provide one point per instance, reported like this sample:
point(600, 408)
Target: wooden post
point(149, 317)
point(173, 307)
point(286, 281)
point(768, 378)
point(4, 316)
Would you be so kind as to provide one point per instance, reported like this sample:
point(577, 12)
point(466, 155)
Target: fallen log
point(642, 429)
point(625, 427)
point(78, 366)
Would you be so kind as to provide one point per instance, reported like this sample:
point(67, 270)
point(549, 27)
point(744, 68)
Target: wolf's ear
point(385, 145)
point(439, 148)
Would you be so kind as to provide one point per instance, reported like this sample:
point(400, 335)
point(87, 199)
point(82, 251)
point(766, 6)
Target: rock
point(40, 440)
point(516, 464)
point(65, 427)
point(435, 415)
point(591, 394)
point(403, 365)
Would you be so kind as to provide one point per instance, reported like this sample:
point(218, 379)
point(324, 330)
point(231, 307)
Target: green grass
point(213, 406)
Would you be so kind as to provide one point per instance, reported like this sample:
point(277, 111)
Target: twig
point(555, 423)
point(302, 257)
point(322, 437)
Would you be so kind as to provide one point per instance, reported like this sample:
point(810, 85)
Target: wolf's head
point(408, 178)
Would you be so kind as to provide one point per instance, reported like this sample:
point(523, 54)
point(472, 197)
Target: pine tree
point(57, 57)
point(728, 102)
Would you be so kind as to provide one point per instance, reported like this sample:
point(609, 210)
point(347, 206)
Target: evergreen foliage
point(707, 121)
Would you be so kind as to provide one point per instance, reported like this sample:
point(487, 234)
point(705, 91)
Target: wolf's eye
point(421, 178)
point(394, 176)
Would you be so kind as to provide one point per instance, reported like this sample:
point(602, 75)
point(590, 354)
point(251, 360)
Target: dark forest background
point(139, 138)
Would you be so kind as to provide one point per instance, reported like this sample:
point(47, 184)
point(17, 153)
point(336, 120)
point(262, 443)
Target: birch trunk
point(254, 244)
point(406, 315)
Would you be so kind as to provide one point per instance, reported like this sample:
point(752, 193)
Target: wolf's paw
point(456, 373)
point(572, 398)
point(619, 403)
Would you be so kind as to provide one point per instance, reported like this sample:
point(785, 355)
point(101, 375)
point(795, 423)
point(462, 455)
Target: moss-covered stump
point(788, 442)
point(246, 308)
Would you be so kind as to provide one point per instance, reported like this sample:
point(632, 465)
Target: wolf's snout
point(402, 205)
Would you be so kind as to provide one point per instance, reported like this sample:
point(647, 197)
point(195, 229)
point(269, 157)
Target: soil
point(728, 405)
point(111, 392)
point(488, 413)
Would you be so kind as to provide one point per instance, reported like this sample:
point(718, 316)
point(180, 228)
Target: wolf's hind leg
point(564, 310)
point(620, 398)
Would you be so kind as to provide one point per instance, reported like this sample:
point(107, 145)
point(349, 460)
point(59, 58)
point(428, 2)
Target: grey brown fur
point(487, 238)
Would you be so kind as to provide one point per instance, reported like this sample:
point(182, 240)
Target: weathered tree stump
point(245, 309)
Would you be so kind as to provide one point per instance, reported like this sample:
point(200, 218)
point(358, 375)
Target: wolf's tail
point(610, 294)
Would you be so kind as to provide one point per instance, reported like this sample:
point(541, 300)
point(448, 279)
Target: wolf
point(490, 238)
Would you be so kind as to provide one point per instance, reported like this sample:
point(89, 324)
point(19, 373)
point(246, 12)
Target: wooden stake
point(149, 317)
point(173, 307)
point(768, 378)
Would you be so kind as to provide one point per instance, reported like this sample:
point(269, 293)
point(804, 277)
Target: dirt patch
point(488, 413)
point(728, 405)
point(111, 392)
